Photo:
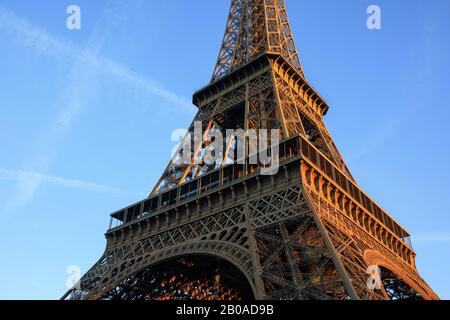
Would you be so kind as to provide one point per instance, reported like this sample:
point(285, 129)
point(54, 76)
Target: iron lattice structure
point(225, 230)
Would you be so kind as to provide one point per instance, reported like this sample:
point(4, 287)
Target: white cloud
point(33, 37)
point(416, 91)
point(375, 139)
point(31, 178)
point(38, 39)
point(23, 282)
point(431, 237)
point(80, 89)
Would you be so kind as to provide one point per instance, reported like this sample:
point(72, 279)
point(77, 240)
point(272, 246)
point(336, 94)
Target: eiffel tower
point(226, 231)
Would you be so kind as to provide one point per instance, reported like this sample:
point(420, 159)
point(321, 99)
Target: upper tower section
point(256, 27)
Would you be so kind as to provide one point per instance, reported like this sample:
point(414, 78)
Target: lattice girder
point(254, 28)
point(307, 232)
point(268, 98)
point(285, 244)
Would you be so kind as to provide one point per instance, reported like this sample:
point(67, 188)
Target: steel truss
point(307, 232)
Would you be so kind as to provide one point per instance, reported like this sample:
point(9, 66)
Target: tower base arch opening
point(395, 288)
point(200, 277)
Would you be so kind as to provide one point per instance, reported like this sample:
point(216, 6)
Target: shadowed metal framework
point(227, 231)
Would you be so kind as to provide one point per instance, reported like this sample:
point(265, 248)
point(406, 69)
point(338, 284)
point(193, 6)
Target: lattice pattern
point(255, 27)
point(294, 109)
point(354, 246)
point(187, 278)
point(263, 113)
point(303, 236)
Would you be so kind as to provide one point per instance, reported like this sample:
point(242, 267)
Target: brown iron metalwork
point(306, 232)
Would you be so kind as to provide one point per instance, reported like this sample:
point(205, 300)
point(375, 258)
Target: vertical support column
point(246, 127)
point(279, 108)
point(260, 293)
point(335, 255)
point(296, 274)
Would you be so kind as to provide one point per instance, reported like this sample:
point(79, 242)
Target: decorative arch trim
point(232, 253)
point(375, 258)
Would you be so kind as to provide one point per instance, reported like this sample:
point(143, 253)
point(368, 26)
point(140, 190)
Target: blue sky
point(86, 117)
